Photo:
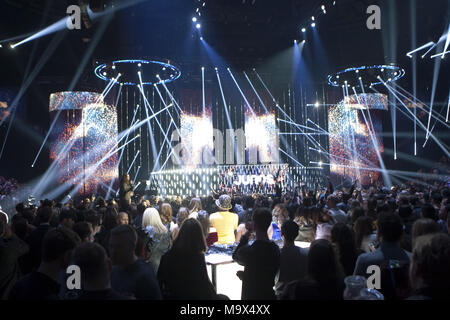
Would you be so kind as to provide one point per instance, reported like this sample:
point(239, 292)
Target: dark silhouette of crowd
point(150, 248)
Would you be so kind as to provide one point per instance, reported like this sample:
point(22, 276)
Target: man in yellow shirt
point(224, 221)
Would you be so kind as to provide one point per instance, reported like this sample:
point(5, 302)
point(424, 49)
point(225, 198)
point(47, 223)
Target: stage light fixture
point(139, 64)
point(194, 19)
point(201, 38)
point(295, 41)
point(11, 46)
point(114, 67)
point(382, 69)
point(303, 30)
point(1, 46)
point(198, 25)
point(215, 68)
point(313, 24)
point(316, 104)
point(312, 18)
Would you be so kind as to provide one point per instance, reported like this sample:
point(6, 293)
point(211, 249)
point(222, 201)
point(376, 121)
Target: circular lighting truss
point(132, 71)
point(368, 76)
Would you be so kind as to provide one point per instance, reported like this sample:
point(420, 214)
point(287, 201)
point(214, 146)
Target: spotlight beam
point(242, 94)
point(429, 44)
point(203, 92)
point(134, 160)
point(230, 126)
point(434, 114)
point(431, 135)
point(298, 163)
point(44, 58)
point(256, 93)
point(374, 142)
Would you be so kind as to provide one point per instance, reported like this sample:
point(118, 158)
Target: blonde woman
point(280, 214)
point(159, 239)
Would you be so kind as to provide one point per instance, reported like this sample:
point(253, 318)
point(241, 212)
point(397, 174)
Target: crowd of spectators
point(155, 248)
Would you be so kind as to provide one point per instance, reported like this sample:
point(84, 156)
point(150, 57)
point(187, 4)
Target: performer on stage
point(126, 191)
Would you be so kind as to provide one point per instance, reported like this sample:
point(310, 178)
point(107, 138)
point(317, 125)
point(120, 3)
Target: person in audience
point(84, 231)
point(95, 268)
point(293, 259)
point(336, 214)
point(224, 221)
point(430, 265)
point(323, 223)
point(428, 211)
point(67, 218)
point(279, 215)
point(195, 205)
point(42, 284)
point(365, 238)
point(342, 237)
point(11, 249)
point(303, 217)
point(35, 239)
point(182, 215)
point(325, 279)
point(423, 227)
point(122, 218)
point(159, 237)
point(182, 273)
point(166, 216)
point(210, 234)
point(261, 259)
point(390, 230)
point(130, 276)
point(109, 223)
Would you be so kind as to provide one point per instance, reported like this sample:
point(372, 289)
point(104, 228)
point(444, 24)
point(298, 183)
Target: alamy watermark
point(374, 20)
point(73, 21)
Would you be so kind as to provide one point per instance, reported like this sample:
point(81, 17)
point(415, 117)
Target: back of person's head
point(166, 213)
point(58, 244)
point(424, 226)
point(122, 244)
point(356, 213)
point(183, 214)
point(341, 234)
point(195, 205)
point(94, 265)
point(390, 227)
point(44, 214)
point(405, 211)
point(84, 230)
point(363, 227)
point(109, 218)
point(289, 230)
point(322, 262)
point(66, 214)
point(203, 218)
point(431, 262)
point(93, 218)
point(19, 207)
point(190, 239)
point(262, 218)
point(141, 208)
point(152, 219)
point(372, 204)
point(428, 211)
point(249, 202)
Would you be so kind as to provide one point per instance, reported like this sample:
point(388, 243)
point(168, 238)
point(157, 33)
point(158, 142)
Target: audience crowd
point(152, 248)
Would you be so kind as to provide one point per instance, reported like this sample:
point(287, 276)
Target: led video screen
point(84, 135)
point(261, 135)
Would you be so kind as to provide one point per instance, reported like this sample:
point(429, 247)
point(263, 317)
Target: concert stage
point(239, 179)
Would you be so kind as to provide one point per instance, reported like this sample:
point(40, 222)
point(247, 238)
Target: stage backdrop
point(355, 137)
point(84, 134)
